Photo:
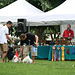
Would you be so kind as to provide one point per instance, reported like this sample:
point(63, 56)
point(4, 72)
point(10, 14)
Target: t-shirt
point(3, 31)
point(30, 40)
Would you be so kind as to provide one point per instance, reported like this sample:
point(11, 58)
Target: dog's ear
point(14, 58)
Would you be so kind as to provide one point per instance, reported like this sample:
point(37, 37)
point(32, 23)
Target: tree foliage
point(4, 3)
point(46, 5)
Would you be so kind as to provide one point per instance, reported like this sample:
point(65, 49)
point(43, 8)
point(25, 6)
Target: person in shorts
point(29, 39)
point(4, 31)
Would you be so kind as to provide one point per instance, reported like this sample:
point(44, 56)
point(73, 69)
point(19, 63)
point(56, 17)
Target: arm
point(72, 35)
point(21, 47)
point(36, 37)
point(64, 34)
point(9, 38)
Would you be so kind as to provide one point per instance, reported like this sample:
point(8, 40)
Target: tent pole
point(28, 27)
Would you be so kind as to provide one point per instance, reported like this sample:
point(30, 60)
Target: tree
point(4, 3)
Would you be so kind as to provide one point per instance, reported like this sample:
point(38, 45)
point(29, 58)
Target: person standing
point(4, 31)
point(29, 39)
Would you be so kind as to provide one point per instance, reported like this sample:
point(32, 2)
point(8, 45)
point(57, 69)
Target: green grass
point(40, 67)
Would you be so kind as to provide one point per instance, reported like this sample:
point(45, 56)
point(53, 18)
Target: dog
point(16, 59)
point(27, 60)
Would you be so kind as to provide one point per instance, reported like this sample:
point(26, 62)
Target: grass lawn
point(40, 67)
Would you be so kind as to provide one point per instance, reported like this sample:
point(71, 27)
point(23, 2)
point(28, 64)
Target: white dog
point(27, 60)
point(16, 59)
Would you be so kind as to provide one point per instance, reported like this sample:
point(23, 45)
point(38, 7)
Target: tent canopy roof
point(63, 12)
point(22, 9)
point(19, 8)
point(65, 8)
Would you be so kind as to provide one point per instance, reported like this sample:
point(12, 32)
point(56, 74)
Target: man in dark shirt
point(29, 39)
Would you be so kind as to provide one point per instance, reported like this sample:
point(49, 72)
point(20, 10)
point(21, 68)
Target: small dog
point(27, 60)
point(16, 59)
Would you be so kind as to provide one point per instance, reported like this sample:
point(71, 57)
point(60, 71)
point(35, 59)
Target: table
point(42, 52)
point(67, 56)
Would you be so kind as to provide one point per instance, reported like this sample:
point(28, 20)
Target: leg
point(33, 53)
point(3, 56)
point(26, 51)
point(5, 51)
point(33, 57)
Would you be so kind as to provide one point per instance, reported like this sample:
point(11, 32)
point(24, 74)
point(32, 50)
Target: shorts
point(4, 47)
point(29, 48)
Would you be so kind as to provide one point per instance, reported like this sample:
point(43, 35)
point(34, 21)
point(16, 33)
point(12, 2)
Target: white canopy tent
point(62, 13)
point(66, 8)
point(19, 9)
point(22, 9)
